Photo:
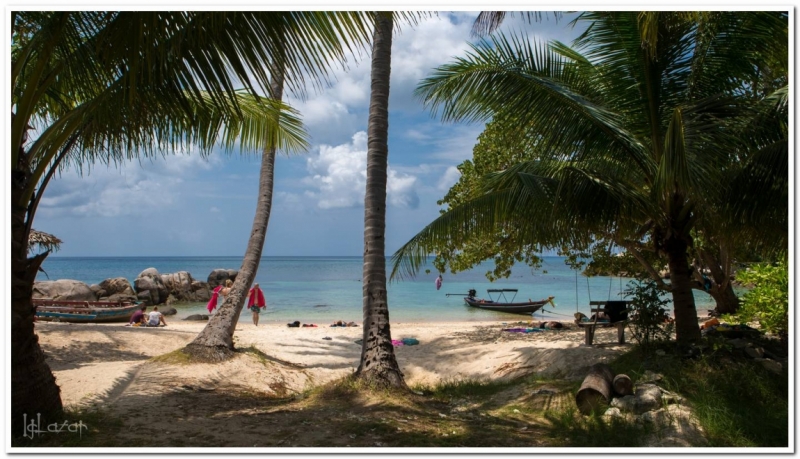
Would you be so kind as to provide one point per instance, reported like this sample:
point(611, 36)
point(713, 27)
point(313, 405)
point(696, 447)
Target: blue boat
point(84, 311)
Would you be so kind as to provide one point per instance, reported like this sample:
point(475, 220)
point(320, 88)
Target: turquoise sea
point(324, 289)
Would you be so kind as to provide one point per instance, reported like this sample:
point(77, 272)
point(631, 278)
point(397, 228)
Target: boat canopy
point(502, 290)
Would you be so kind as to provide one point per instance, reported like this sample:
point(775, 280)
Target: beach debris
point(442, 415)
point(417, 392)
point(327, 338)
point(544, 392)
point(622, 385)
point(596, 391)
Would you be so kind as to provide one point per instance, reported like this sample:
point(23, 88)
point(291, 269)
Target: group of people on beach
point(140, 318)
point(255, 303)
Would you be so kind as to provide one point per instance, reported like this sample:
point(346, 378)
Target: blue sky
point(186, 205)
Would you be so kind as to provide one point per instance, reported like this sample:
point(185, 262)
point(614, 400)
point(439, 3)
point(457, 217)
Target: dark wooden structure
point(617, 313)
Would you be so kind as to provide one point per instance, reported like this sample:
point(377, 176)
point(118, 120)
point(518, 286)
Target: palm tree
point(114, 85)
point(640, 129)
point(215, 341)
point(378, 363)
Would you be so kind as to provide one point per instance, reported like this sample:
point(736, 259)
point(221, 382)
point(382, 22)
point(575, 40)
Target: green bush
point(649, 320)
point(768, 300)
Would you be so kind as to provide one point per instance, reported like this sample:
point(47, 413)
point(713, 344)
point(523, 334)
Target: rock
point(168, 311)
point(219, 276)
point(771, 365)
point(150, 280)
point(754, 352)
point(649, 377)
point(201, 291)
point(647, 397)
point(63, 289)
point(739, 343)
point(197, 317)
point(613, 412)
point(120, 297)
point(117, 286)
point(179, 285)
point(660, 352)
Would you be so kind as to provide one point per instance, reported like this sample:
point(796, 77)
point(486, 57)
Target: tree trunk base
point(208, 354)
point(383, 378)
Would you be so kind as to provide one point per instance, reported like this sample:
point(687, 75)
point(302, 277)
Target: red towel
point(212, 303)
point(256, 302)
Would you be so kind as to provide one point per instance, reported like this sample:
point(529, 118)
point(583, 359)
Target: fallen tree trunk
point(596, 391)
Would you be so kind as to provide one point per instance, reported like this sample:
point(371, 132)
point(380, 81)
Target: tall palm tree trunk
point(215, 342)
point(687, 329)
point(378, 363)
point(33, 386)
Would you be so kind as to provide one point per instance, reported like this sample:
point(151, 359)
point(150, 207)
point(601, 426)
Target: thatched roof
point(43, 241)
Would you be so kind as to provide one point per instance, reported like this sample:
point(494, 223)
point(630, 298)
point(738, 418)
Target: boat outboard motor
point(471, 294)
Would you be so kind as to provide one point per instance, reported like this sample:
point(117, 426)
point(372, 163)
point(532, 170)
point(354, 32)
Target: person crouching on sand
point(138, 319)
point(255, 302)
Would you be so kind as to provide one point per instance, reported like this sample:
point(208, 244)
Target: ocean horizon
point(323, 289)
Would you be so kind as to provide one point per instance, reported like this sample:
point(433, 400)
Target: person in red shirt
point(256, 302)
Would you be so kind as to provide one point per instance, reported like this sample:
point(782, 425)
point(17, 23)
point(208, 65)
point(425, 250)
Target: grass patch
point(463, 388)
point(737, 402)
point(569, 429)
point(176, 357)
point(100, 431)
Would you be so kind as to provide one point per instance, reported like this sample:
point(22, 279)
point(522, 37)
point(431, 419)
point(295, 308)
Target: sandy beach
point(91, 360)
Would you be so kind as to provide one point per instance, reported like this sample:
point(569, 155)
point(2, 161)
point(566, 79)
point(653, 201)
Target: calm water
point(324, 289)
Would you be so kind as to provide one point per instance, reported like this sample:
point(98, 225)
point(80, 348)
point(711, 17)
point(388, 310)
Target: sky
point(188, 205)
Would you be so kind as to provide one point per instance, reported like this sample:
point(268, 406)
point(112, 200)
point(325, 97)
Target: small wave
point(321, 305)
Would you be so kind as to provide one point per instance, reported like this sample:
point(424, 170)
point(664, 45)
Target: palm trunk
point(378, 363)
point(215, 342)
point(687, 329)
point(33, 386)
point(721, 287)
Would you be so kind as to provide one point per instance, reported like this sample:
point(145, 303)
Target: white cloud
point(131, 189)
point(449, 178)
point(339, 173)
point(214, 210)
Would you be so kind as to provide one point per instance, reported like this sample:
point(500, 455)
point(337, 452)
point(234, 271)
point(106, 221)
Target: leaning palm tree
point(215, 341)
point(639, 134)
point(378, 363)
point(110, 86)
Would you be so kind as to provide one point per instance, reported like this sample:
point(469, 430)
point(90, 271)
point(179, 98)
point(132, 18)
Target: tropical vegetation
point(110, 86)
point(637, 142)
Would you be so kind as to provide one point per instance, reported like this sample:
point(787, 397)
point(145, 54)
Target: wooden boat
point(522, 307)
point(84, 311)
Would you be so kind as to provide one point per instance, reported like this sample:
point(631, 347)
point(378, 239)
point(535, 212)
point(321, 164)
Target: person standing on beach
point(256, 302)
point(438, 282)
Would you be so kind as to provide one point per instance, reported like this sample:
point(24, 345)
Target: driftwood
point(596, 391)
point(622, 385)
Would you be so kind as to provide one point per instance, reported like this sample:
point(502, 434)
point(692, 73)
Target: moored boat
point(84, 311)
point(520, 307)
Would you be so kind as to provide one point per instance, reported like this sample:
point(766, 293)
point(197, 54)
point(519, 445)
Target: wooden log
point(622, 385)
point(596, 391)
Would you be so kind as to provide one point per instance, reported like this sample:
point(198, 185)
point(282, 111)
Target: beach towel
point(212, 303)
point(522, 330)
point(261, 303)
point(397, 342)
point(410, 341)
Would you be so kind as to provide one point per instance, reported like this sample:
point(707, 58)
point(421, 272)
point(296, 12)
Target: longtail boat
point(502, 304)
point(84, 311)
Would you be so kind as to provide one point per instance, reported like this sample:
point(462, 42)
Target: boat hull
point(85, 312)
point(514, 308)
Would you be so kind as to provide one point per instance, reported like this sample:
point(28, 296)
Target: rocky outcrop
point(116, 289)
point(64, 289)
point(179, 285)
point(201, 291)
point(168, 311)
point(150, 287)
point(219, 276)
